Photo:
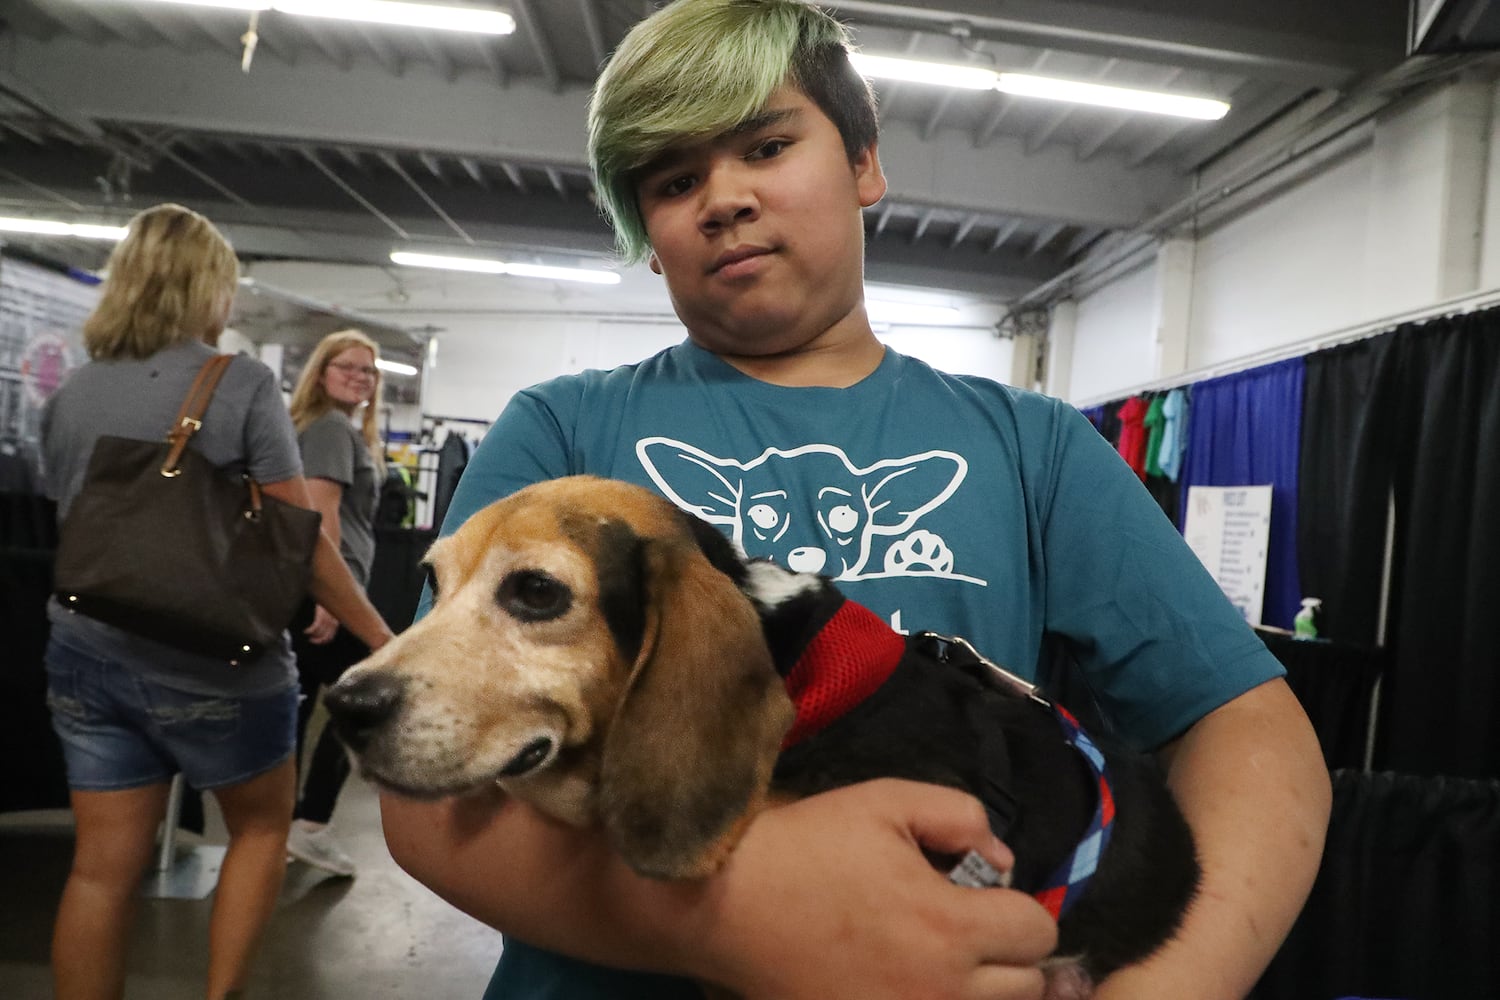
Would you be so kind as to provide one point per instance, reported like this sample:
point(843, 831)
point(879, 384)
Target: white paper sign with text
point(1229, 527)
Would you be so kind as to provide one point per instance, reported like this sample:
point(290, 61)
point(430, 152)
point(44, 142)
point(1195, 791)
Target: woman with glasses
point(334, 410)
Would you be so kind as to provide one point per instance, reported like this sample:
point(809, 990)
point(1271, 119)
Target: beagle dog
point(613, 661)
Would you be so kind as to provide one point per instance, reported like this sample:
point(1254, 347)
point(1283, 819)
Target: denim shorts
point(120, 730)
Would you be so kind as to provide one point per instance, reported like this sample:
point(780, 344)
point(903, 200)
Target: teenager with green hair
point(735, 150)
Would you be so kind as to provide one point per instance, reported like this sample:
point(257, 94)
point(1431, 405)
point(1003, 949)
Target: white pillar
point(1172, 307)
point(1023, 355)
point(272, 355)
point(1062, 326)
point(1489, 252)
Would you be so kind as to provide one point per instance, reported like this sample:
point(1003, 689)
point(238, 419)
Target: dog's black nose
point(358, 706)
point(529, 759)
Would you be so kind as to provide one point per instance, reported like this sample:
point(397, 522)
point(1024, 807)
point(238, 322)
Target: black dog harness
point(856, 652)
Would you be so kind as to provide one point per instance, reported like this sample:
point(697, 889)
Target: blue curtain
point(1246, 430)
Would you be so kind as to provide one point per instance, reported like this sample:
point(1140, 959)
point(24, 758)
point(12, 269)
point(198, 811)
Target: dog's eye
point(533, 596)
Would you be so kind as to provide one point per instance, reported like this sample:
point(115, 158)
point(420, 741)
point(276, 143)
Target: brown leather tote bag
point(162, 544)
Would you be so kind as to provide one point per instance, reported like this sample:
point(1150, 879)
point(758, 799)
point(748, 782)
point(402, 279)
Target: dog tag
point(977, 873)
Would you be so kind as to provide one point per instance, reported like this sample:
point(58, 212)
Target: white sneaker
point(314, 845)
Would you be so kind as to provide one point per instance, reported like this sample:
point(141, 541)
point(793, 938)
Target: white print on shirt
point(864, 525)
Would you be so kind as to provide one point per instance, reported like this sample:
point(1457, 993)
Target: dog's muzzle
point(360, 705)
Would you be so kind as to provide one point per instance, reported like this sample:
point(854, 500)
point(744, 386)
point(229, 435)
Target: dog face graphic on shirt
point(858, 522)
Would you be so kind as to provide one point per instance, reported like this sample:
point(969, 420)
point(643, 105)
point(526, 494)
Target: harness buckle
point(942, 647)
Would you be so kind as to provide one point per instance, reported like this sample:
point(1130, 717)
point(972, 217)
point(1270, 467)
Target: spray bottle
point(1305, 622)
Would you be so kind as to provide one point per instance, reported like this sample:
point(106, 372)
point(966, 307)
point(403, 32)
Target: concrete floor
point(379, 936)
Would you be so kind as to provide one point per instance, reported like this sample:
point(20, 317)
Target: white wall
point(1292, 269)
point(495, 335)
point(1403, 222)
point(481, 360)
point(1112, 343)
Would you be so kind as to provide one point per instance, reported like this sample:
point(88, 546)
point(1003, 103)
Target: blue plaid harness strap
point(1068, 882)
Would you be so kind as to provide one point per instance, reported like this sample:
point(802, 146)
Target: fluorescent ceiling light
point(479, 20)
point(1026, 85)
point(563, 273)
point(481, 266)
point(1153, 102)
point(395, 367)
point(917, 71)
point(47, 227)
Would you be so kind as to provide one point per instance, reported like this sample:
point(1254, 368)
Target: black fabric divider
point(1407, 902)
point(34, 776)
point(1335, 682)
point(1413, 414)
point(397, 575)
point(1344, 474)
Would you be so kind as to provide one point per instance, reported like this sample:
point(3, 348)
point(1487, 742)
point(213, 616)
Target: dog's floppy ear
point(695, 737)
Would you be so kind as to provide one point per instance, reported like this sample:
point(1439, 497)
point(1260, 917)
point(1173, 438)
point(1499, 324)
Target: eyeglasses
point(368, 371)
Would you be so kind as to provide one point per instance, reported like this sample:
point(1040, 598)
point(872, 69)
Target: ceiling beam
point(594, 31)
point(314, 102)
point(541, 45)
point(317, 103)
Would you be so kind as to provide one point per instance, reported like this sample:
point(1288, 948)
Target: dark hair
point(825, 74)
point(698, 68)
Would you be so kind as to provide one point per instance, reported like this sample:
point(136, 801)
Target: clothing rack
point(1449, 307)
point(429, 449)
point(435, 420)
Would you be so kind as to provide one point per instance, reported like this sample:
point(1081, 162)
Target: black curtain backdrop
point(1335, 682)
point(1407, 901)
point(1415, 412)
point(397, 575)
point(34, 776)
point(1344, 476)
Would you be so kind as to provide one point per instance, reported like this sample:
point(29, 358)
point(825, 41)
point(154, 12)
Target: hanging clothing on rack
point(1132, 446)
point(1155, 423)
point(1174, 411)
point(453, 457)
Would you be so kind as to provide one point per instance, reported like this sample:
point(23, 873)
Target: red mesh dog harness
point(845, 662)
point(855, 653)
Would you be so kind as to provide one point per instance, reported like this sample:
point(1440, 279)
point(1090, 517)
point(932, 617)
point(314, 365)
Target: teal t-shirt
point(946, 503)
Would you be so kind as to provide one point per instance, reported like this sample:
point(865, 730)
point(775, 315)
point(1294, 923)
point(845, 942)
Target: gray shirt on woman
point(333, 449)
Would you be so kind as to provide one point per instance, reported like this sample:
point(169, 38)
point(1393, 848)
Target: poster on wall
point(41, 340)
point(1229, 527)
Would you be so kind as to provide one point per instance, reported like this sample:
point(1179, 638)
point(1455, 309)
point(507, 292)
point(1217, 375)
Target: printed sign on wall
point(1229, 527)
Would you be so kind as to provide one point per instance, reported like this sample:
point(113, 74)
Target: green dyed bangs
point(696, 69)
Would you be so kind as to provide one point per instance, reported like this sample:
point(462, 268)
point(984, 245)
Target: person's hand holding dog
point(832, 896)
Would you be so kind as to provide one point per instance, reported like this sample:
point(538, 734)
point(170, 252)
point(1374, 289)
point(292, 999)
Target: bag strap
point(190, 416)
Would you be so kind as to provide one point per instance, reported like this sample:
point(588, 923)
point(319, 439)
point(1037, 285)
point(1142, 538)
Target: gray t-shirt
point(333, 449)
point(246, 429)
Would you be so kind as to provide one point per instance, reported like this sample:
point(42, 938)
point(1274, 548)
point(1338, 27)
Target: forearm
point(330, 583)
point(326, 496)
point(801, 877)
point(334, 587)
point(1251, 780)
point(522, 873)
